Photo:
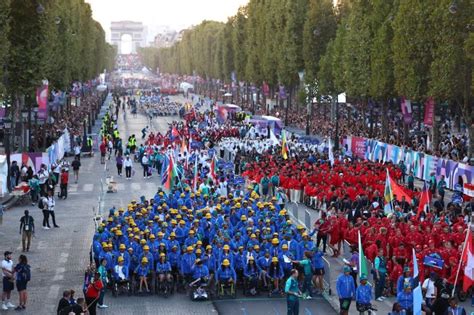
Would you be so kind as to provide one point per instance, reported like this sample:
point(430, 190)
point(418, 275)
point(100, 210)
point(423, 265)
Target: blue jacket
point(275, 271)
point(163, 267)
point(317, 260)
point(364, 294)
point(251, 271)
point(142, 271)
point(401, 282)
point(187, 262)
point(174, 259)
point(124, 270)
point(200, 272)
point(405, 299)
point(226, 274)
point(345, 286)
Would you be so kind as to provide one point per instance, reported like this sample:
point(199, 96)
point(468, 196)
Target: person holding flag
point(363, 294)
point(346, 290)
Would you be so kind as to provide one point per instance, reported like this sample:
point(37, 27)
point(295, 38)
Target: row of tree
point(371, 49)
point(57, 40)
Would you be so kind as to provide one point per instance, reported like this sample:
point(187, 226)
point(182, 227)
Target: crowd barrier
point(421, 164)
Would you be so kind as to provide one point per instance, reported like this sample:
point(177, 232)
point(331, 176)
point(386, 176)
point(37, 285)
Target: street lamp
point(7, 125)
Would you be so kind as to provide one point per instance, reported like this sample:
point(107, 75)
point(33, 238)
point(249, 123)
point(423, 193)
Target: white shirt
point(51, 203)
point(8, 265)
point(119, 271)
point(429, 286)
point(128, 162)
point(77, 150)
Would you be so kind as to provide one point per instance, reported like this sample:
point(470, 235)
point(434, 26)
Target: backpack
point(41, 204)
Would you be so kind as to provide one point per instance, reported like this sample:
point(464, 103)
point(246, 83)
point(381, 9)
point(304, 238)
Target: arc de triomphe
point(135, 29)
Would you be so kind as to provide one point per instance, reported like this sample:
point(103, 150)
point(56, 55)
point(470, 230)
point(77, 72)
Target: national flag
point(388, 195)
point(467, 260)
point(284, 148)
point(169, 173)
point(273, 138)
point(417, 295)
point(424, 201)
point(184, 147)
point(212, 172)
point(362, 259)
point(195, 177)
point(331, 153)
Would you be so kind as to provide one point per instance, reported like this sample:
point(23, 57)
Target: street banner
point(429, 112)
point(282, 92)
point(42, 101)
point(406, 111)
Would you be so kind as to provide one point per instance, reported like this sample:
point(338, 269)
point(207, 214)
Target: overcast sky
point(177, 14)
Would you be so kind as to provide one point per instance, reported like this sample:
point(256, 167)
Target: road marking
point(72, 188)
point(307, 311)
point(120, 186)
point(53, 292)
point(58, 277)
point(88, 187)
point(42, 245)
point(136, 186)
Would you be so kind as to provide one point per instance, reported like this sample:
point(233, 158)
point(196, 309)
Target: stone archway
point(135, 29)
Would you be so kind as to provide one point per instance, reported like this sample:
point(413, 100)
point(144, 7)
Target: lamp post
point(24, 120)
point(336, 138)
point(7, 124)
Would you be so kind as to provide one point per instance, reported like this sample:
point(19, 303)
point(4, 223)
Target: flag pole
point(460, 260)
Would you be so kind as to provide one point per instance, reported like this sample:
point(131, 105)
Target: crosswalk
point(91, 188)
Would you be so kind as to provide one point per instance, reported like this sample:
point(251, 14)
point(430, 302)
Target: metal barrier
point(327, 276)
point(307, 220)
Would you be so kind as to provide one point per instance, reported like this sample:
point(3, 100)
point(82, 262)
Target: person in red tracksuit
point(64, 182)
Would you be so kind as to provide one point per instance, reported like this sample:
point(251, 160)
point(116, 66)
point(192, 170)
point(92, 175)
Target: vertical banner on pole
point(42, 100)
point(429, 112)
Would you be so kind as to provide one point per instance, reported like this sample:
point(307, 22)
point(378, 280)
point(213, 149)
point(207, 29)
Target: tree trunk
point(384, 120)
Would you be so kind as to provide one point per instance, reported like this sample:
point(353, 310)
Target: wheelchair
point(136, 284)
point(199, 290)
point(250, 286)
point(121, 287)
point(227, 289)
point(165, 287)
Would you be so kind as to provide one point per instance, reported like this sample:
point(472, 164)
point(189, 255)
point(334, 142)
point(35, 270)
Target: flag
point(428, 142)
point(468, 261)
point(388, 195)
point(424, 201)
point(284, 148)
point(195, 177)
point(212, 172)
point(417, 295)
point(273, 138)
point(183, 146)
point(331, 153)
point(169, 172)
point(362, 259)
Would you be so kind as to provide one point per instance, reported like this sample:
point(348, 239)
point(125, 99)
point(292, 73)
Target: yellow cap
point(146, 247)
point(190, 248)
point(162, 255)
point(226, 247)
point(226, 262)
point(208, 247)
point(120, 259)
point(284, 246)
point(144, 260)
point(274, 259)
point(122, 246)
point(275, 241)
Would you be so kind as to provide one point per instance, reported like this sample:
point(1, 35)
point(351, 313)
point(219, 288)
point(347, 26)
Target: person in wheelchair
point(142, 272)
point(163, 271)
point(120, 275)
point(275, 272)
point(263, 263)
point(200, 274)
point(251, 272)
point(363, 295)
point(226, 276)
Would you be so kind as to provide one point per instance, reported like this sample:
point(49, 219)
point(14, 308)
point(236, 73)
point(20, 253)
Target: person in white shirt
point(128, 163)
point(8, 280)
point(145, 165)
point(51, 203)
point(430, 289)
point(77, 151)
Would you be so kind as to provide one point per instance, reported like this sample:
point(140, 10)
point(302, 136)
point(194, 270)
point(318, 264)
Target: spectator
point(76, 165)
point(64, 302)
point(8, 280)
point(27, 230)
point(345, 287)
point(51, 202)
point(380, 275)
point(93, 293)
point(23, 276)
point(64, 183)
point(33, 183)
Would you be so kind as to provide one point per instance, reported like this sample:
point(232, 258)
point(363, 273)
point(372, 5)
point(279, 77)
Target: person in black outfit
point(64, 302)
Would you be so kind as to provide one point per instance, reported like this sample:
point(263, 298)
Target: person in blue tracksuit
point(187, 262)
point(405, 298)
point(275, 272)
point(345, 288)
point(200, 272)
point(142, 272)
point(226, 274)
point(318, 269)
point(363, 293)
point(251, 273)
point(163, 269)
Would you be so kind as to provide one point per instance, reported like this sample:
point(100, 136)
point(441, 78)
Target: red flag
point(399, 191)
point(468, 262)
point(424, 200)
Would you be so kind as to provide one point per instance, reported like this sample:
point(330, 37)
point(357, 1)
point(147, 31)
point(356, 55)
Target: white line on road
point(88, 187)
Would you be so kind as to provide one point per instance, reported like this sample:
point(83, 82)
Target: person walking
point(23, 276)
point(34, 189)
point(63, 185)
point(27, 230)
point(346, 290)
point(292, 293)
point(76, 165)
point(119, 161)
point(380, 273)
point(51, 204)
point(8, 280)
point(128, 163)
point(363, 293)
point(93, 293)
point(103, 277)
point(145, 162)
point(77, 152)
point(43, 205)
point(64, 302)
